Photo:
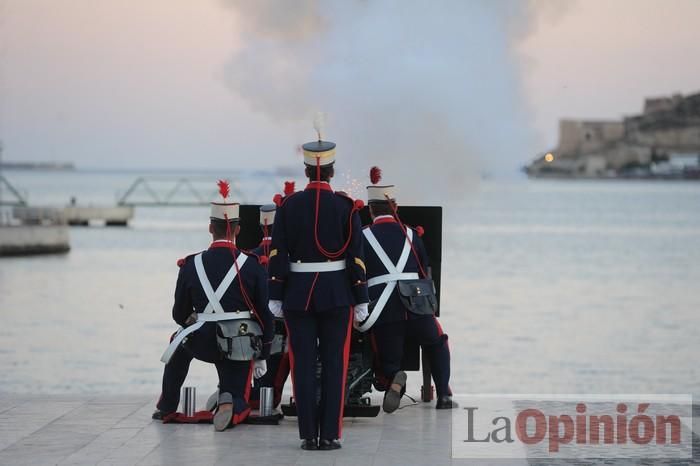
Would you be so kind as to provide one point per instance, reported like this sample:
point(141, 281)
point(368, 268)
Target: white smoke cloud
point(428, 91)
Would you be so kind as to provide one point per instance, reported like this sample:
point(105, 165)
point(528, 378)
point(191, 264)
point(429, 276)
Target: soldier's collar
point(384, 219)
point(324, 185)
point(222, 243)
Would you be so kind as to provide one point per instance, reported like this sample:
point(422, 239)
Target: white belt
point(390, 277)
point(215, 317)
point(330, 266)
point(202, 318)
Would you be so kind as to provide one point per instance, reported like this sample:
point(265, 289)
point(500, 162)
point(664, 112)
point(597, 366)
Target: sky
point(164, 84)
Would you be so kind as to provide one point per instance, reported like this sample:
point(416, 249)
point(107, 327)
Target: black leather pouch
point(418, 296)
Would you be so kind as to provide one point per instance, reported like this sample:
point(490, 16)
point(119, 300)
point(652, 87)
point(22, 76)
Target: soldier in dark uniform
point(278, 362)
point(390, 320)
point(201, 305)
point(317, 278)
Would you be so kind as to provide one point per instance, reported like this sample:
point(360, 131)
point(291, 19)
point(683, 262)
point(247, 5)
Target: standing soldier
point(221, 303)
point(396, 265)
point(317, 277)
point(278, 362)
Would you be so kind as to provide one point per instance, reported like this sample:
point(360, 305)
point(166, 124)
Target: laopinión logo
point(572, 426)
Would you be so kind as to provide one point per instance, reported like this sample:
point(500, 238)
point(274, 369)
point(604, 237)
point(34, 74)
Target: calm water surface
point(547, 287)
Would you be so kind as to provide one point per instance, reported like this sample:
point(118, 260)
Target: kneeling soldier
point(221, 303)
point(396, 261)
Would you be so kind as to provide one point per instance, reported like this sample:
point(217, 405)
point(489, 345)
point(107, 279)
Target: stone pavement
point(109, 430)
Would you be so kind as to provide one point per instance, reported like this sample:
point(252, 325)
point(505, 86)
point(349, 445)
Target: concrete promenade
point(73, 430)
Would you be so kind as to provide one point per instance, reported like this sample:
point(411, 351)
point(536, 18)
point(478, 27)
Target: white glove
point(275, 307)
point(361, 312)
point(259, 368)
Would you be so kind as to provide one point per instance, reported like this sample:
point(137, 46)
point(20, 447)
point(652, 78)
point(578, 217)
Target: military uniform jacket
point(217, 260)
point(390, 236)
point(293, 240)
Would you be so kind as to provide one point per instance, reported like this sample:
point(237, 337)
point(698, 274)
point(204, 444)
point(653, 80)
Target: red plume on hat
point(224, 188)
point(375, 175)
point(289, 187)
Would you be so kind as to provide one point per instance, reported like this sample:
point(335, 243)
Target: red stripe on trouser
point(242, 416)
point(280, 377)
point(246, 394)
point(441, 333)
point(346, 358)
point(447, 344)
point(291, 359)
point(439, 327)
point(377, 360)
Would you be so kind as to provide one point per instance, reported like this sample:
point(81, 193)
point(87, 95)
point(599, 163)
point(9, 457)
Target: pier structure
point(45, 233)
point(25, 240)
point(77, 215)
point(155, 191)
point(160, 191)
point(111, 216)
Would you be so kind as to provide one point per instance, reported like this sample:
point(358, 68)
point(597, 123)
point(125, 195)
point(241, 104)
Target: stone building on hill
point(664, 141)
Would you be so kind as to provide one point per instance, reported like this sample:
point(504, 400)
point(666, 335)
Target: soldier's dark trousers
point(234, 376)
point(324, 335)
point(388, 343)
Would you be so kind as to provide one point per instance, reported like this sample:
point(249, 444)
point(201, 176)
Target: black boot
point(445, 402)
point(159, 415)
point(309, 444)
point(392, 397)
point(329, 444)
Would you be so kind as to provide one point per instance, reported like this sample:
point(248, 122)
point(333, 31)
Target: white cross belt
point(395, 273)
point(214, 312)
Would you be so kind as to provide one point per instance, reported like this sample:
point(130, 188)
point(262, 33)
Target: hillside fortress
point(662, 142)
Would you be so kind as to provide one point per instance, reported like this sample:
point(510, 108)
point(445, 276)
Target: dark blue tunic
point(293, 240)
point(190, 296)
point(392, 239)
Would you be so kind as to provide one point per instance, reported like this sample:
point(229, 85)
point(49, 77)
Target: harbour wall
point(22, 240)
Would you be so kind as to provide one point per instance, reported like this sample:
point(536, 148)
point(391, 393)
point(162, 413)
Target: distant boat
point(38, 166)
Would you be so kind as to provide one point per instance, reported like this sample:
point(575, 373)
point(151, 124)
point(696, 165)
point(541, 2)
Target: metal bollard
point(189, 400)
point(266, 400)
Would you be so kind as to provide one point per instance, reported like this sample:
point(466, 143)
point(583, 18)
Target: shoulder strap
point(403, 259)
point(381, 254)
point(230, 276)
point(214, 297)
point(383, 257)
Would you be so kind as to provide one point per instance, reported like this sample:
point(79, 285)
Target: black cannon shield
point(251, 232)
